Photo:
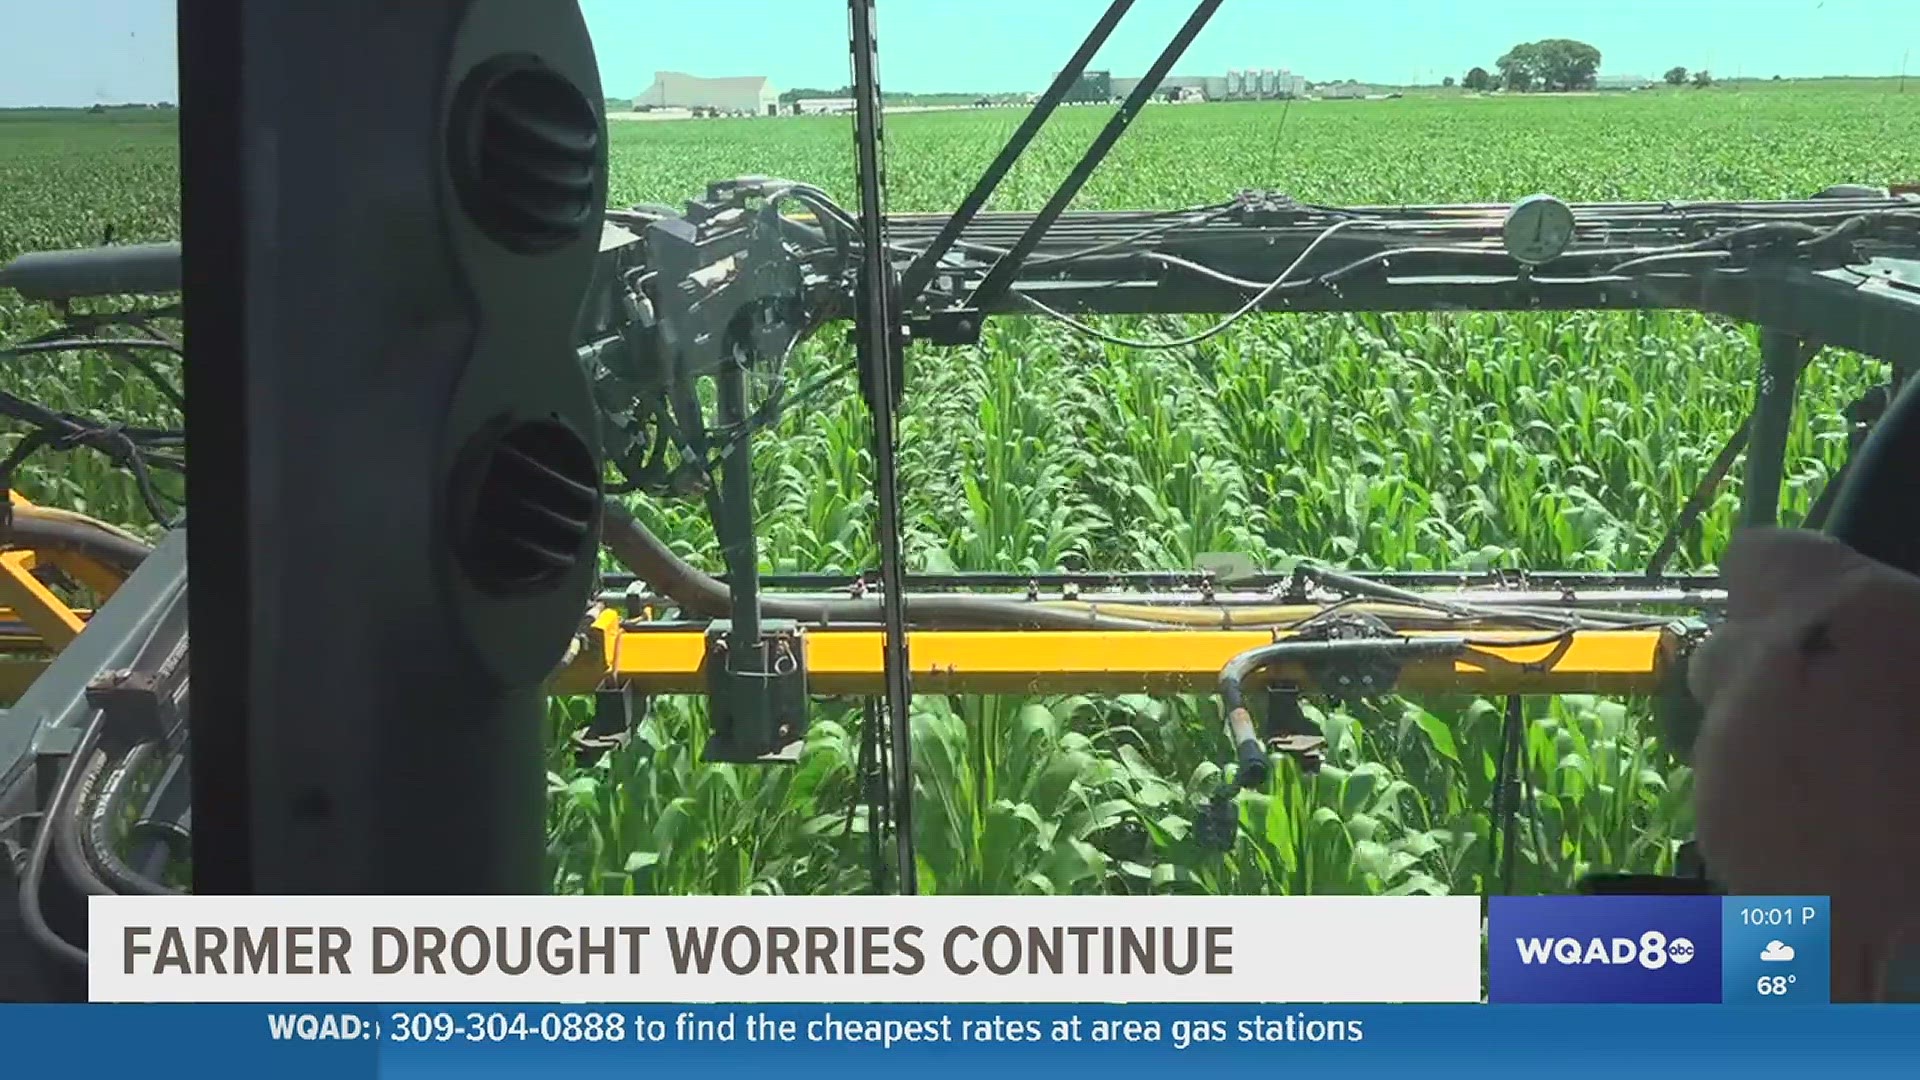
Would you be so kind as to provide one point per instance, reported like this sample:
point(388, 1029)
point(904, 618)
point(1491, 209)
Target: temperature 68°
point(1775, 985)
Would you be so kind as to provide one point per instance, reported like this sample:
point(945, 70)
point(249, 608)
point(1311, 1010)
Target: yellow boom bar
point(672, 660)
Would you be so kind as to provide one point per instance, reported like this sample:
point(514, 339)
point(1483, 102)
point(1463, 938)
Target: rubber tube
point(66, 841)
point(54, 513)
point(31, 912)
point(61, 533)
point(637, 549)
point(97, 840)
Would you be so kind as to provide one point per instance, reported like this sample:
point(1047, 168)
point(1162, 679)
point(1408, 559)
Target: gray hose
point(637, 549)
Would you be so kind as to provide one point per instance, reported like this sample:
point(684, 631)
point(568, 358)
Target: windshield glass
point(1368, 330)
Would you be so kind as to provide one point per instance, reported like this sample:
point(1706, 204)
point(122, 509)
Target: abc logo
point(1678, 951)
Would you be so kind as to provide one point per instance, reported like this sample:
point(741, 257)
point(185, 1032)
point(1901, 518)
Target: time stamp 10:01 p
point(1776, 950)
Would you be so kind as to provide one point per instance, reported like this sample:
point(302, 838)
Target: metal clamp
point(759, 700)
point(1349, 678)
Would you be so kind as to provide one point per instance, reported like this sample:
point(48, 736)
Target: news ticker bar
point(505, 1040)
point(1771, 951)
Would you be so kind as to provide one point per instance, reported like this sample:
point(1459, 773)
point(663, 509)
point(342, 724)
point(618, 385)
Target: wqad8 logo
point(1604, 949)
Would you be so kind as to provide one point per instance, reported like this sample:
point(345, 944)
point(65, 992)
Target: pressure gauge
point(1538, 228)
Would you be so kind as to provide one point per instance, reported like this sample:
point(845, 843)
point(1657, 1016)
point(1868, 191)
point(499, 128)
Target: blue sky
point(76, 52)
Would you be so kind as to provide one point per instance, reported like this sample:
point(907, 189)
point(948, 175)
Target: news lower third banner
point(350, 987)
point(870, 949)
point(1692, 950)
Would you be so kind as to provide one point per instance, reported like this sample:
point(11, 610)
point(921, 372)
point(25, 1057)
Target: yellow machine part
point(36, 623)
point(671, 660)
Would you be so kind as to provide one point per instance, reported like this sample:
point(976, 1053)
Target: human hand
point(1807, 764)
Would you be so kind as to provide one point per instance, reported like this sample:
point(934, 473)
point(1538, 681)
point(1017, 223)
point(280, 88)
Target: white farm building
point(679, 90)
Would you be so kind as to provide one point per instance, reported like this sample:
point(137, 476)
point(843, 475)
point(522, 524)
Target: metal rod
point(873, 791)
point(921, 270)
point(1514, 754)
point(1004, 270)
point(1696, 503)
point(878, 348)
point(1193, 579)
point(736, 526)
point(1781, 357)
point(1227, 602)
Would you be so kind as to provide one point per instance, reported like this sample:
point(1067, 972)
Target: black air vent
point(533, 509)
point(525, 154)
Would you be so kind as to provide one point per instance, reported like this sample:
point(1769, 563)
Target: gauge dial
point(1538, 228)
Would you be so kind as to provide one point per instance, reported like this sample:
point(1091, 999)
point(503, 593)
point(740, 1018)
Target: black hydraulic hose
point(1251, 752)
point(637, 549)
point(97, 835)
point(30, 882)
point(28, 529)
point(66, 829)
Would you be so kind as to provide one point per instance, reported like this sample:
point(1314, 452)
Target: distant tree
point(1776, 78)
point(1448, 81)
point(1551, 64)
point(1519, 67)
point(1702, 79)
point(1565, 64)
point(1477, 79)
point(788, 97)
point(1676, 76)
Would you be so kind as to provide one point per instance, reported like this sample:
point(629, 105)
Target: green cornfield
point(1535, 440)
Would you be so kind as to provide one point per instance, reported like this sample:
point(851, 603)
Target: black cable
point(1208, 215)
point(127, 350)
point(124, 445)
point(771, 409)
point(81, 344)
point(31, 882)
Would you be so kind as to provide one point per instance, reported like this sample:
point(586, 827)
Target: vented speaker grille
point(525, 154)
point(533, 510)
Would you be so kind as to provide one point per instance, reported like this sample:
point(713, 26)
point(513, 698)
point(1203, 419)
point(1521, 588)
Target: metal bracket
point(1351, 679)
point(759, 701)
point(948, 326)
point(1288, 733)
point(1264, 206)
point(138, 706)
point(1675, 712)
point(617, 712)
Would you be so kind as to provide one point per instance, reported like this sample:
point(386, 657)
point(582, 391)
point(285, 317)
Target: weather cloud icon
point(1777, 950)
